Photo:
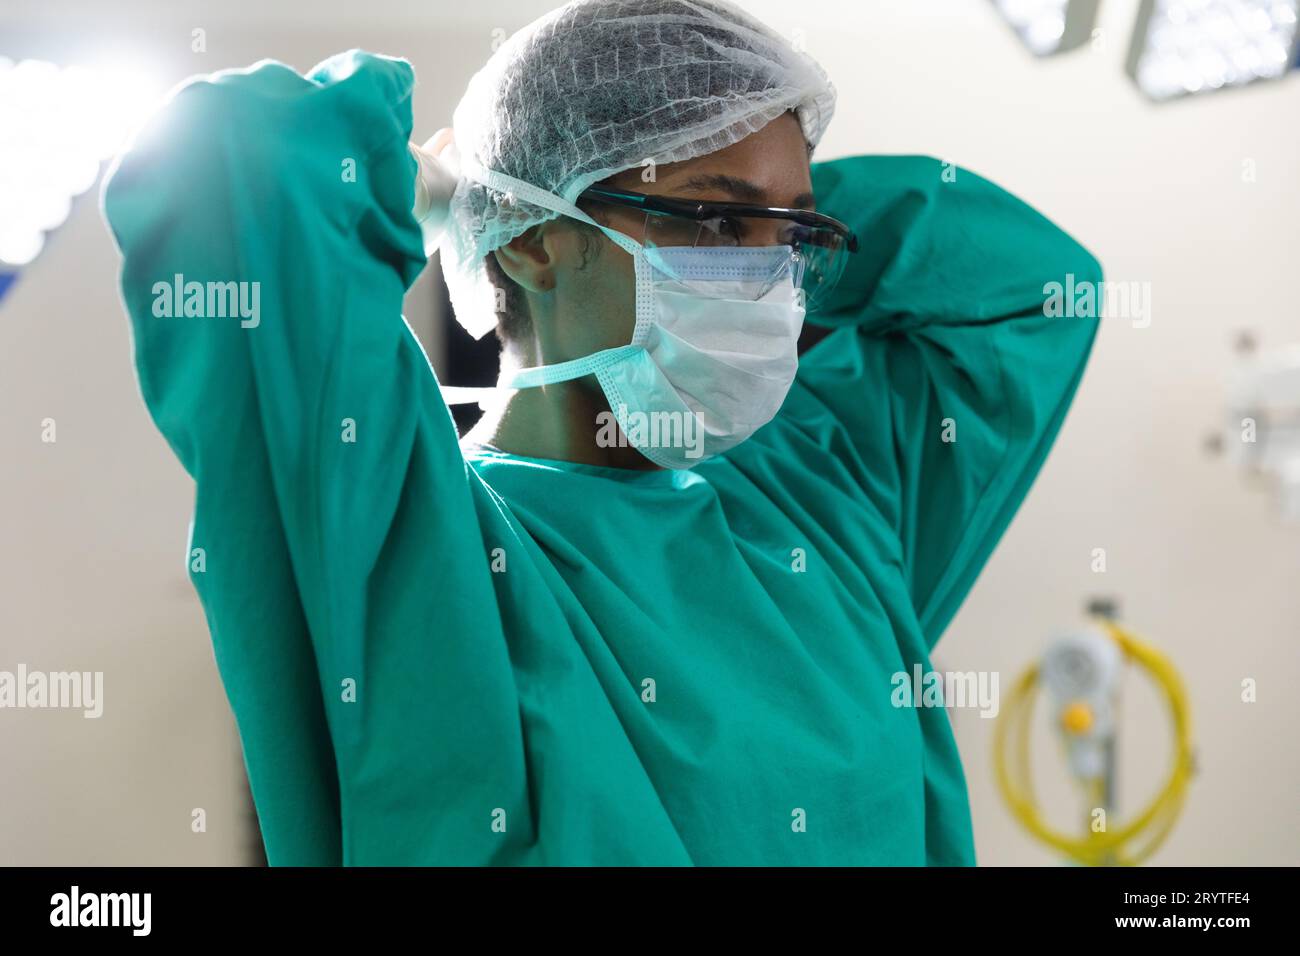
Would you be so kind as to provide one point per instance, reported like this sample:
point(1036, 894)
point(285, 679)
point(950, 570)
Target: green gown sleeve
point(946, 380)
point(306, 419)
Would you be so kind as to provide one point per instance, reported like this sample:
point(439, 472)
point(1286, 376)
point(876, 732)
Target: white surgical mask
point(714, 350)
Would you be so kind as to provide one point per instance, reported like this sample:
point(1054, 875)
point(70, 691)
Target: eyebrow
point(742, 190)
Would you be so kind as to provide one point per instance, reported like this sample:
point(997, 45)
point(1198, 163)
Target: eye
point(724, 230)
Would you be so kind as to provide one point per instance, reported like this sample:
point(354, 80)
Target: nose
point(766, 232)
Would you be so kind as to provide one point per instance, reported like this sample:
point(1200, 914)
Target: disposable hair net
point(600, 86)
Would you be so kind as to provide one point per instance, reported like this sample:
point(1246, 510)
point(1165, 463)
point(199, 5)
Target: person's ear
point(528, 260)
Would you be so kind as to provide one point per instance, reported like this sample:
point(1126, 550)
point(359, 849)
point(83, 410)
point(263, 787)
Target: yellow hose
point(1155, 820)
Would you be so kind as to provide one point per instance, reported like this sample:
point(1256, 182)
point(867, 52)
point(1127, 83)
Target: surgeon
point(650, 610)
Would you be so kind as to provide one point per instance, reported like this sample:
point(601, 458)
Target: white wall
point(92, 528)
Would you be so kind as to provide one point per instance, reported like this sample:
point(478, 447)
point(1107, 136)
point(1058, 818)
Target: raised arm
point(265, 223)
point(947, 379)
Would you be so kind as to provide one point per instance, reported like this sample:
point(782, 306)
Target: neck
point(558, 422)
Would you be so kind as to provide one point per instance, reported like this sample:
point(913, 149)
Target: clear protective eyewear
point(820, 245)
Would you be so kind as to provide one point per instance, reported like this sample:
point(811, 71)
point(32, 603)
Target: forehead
point(769, 167)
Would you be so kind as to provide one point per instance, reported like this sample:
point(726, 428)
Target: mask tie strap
point(567, 371)
point(540, 197)
point(542, 374)
point(535, 376)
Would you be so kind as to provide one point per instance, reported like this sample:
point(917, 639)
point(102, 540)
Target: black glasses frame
point(701, 210)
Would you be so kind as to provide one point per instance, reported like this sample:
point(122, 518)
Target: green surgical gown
point(440, 654)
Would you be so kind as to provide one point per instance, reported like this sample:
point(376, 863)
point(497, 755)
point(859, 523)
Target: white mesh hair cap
point(600, 86)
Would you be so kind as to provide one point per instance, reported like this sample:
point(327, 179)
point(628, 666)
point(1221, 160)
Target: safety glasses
point(820, 245)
